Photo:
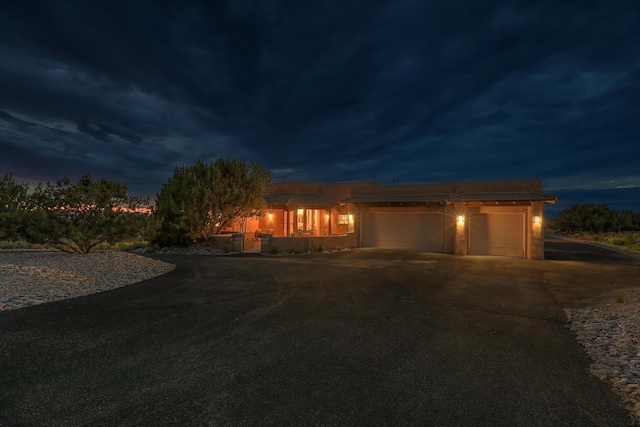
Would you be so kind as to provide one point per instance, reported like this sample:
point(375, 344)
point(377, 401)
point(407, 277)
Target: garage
point(499, 234)
point(412, 230)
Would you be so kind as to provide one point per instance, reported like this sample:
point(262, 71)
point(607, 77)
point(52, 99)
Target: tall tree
point(13, 203)
point(199, 201)
point(77, 217)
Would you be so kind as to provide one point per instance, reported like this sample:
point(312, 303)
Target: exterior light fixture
point(270, 216)
point(461, 219)
point(350, 217)
point(537, 219)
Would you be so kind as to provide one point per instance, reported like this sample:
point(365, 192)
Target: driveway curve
point(363, 337)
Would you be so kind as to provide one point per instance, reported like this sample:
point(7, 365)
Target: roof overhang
point(299, 200)
point(453, 198)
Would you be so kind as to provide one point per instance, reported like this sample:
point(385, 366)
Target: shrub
point(619, 241)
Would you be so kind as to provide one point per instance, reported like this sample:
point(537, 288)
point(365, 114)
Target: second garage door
point(423, 231)
point(496, 234)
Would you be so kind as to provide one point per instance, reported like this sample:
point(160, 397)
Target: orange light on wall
point(270, 216)
point(537, 219)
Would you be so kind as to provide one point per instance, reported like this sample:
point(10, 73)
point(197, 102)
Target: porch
point(304, 215)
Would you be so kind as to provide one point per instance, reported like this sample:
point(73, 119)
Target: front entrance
point(307, 222)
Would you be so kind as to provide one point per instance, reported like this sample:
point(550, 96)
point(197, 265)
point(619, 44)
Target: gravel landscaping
point(31, 277)
point(609, 330)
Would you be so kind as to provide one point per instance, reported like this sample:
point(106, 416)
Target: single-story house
point(503, 218)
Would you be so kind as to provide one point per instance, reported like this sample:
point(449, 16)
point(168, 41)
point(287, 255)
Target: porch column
point(304, 221)
point(286, 227)
point(536, 243)
point(461, 219)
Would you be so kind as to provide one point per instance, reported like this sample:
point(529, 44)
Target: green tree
point(77, 217)
point(199, 201)
point(13, 203)
point(597, 218)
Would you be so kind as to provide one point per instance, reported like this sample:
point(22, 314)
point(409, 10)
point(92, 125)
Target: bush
point(596, 218)
point(619, 241)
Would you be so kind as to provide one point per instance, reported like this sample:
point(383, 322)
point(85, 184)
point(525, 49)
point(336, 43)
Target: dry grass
point(619, 295)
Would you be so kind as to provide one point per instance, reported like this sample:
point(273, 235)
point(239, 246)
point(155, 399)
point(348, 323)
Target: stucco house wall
point(463, 206)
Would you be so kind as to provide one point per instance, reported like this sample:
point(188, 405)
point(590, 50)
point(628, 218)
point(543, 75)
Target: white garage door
point(423, 231)
point(496, 234)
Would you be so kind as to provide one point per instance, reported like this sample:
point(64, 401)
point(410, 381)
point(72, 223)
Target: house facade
point(502, 218)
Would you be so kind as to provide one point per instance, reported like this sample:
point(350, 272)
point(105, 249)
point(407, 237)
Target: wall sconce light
point(327, 216)
point(537, 219)
point(461, 219)
point(270, 216)
point(350, 217)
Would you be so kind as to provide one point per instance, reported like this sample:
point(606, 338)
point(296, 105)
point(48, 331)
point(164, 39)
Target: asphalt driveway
point(365, 337)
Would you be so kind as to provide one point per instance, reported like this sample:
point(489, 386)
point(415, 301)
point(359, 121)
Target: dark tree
point(199, 201)
point(77, 217)
point(13, 204)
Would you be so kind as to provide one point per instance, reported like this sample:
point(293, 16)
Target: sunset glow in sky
point(415, 91)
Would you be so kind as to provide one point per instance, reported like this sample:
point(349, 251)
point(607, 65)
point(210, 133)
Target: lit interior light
point(537, 219)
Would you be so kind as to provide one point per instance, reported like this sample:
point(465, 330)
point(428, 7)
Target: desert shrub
point(634, 247)
point(619, 241)
point(80, 216)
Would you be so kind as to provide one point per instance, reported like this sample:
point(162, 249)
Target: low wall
point(223, 242)
point(278, 245)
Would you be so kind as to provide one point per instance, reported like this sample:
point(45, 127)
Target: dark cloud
point(324, 91)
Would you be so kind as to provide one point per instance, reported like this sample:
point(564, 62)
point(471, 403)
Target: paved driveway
point(366, 337)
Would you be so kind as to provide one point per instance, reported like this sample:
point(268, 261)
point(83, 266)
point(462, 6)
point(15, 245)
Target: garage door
point(423, 231)
point(496, 234)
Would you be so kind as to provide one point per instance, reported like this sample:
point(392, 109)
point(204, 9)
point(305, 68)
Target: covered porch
point(300, 215)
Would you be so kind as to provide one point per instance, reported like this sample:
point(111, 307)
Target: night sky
point(411, 90)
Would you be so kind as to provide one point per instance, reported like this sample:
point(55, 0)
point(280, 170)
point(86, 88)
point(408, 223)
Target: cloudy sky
point(337, 90)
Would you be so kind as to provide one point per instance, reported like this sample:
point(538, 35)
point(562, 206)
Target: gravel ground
point(35, 277)
point(609, 330)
